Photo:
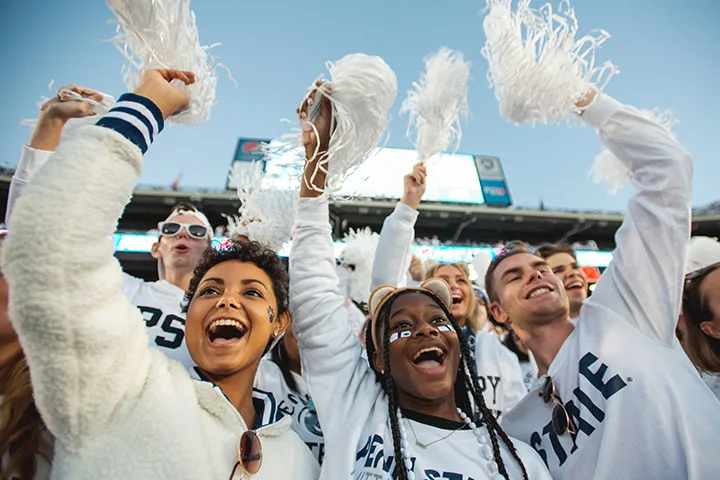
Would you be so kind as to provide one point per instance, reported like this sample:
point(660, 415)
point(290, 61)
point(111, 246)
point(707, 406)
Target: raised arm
point(85, 343)
point(644, 282)
point(394, 250)
point(54, 115)
point(331, 354)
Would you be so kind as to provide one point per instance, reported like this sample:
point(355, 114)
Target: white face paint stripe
point(399, 335)
point(446, 328)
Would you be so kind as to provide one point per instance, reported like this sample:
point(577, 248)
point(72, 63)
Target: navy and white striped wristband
point(136, 118)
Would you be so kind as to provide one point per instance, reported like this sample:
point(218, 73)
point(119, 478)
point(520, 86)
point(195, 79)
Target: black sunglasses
point(561, 421)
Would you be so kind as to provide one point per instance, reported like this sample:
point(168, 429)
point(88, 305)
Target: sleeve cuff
point(314, 211)
point(406, 213)
point(601, 110)
point(136, 118)
point(31, 161)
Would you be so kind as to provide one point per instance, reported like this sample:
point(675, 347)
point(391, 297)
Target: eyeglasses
point(170, 229)
point(249, 456)
point(561, 421)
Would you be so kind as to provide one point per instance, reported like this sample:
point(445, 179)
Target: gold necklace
point(426, 445)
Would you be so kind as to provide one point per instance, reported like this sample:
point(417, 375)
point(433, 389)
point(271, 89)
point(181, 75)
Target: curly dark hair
point(467, 388)
point(245, 251)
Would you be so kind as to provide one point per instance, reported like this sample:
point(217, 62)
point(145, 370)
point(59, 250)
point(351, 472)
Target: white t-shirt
point(499, 374)
point(281, 400)
point(451, 451)
point(159, 303)
point(640, 407)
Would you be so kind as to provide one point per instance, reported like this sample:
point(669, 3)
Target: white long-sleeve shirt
point(351, 406)
point(641, 409)
point(158, 301)
point(118, 409)
point(499, 373)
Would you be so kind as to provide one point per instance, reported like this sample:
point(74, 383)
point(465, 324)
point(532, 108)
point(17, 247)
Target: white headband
point(195, 213)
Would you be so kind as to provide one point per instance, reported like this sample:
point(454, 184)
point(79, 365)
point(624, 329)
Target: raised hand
point(55, 113)
point(316, 133)
point(316, 141)
point(170, 99)
point(414, 187)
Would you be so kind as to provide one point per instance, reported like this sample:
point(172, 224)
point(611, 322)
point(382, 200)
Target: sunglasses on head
point(699, 274)
point(249, 455)
point(195, 230)
point(561, 421)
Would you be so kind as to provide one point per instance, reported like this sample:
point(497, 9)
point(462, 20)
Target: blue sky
point(666, 51)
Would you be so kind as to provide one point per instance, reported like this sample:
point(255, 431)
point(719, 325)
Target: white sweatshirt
point(351, 405)
point(158, 301)
point(641, 408)
point(281, 400)
point(499, 373)
point(118, 409)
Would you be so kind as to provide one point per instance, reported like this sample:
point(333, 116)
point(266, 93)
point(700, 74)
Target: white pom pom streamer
point(246, 177)
point(360, 248)
point(265, 214)
point(481, 263)
point(268, 217)
point(437, 102)
point(163, 34)
point(536, 66)
point(608, 169)
point(98, 108)
point(361, 89)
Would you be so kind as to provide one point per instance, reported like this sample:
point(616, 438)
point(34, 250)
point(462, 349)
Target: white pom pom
point(360, 248)
point(361, 89)
point(268, 216)
point(436, 104)
point(265, 214)
point(163, 34)
point(246, 177)
point(608, 169)
point(481, 263)
point(536, 66)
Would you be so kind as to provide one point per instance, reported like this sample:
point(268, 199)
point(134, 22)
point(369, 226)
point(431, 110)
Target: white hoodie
point(351, 405)
point(499, 373)
point(641, 408)
point(118, 408)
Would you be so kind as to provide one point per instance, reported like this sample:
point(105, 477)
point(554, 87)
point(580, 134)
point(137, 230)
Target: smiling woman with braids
point(416, 411)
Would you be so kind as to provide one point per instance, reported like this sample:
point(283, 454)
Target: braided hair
point(466, 387)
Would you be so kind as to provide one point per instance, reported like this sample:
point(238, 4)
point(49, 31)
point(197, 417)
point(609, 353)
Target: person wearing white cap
point(184, 234)
point(698, 328)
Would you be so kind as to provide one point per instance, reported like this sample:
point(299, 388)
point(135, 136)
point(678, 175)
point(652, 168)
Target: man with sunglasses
point(183, 236)
point(617, 397)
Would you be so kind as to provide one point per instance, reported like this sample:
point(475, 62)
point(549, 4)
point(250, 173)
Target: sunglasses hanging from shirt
point(249, 455)
point(171, 229)
point(561, 421)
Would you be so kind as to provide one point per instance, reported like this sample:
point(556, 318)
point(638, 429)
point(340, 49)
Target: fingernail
point(304, 115)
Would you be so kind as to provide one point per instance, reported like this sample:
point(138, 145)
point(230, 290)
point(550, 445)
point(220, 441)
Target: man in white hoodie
point(183, 236)
point(617, 397)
